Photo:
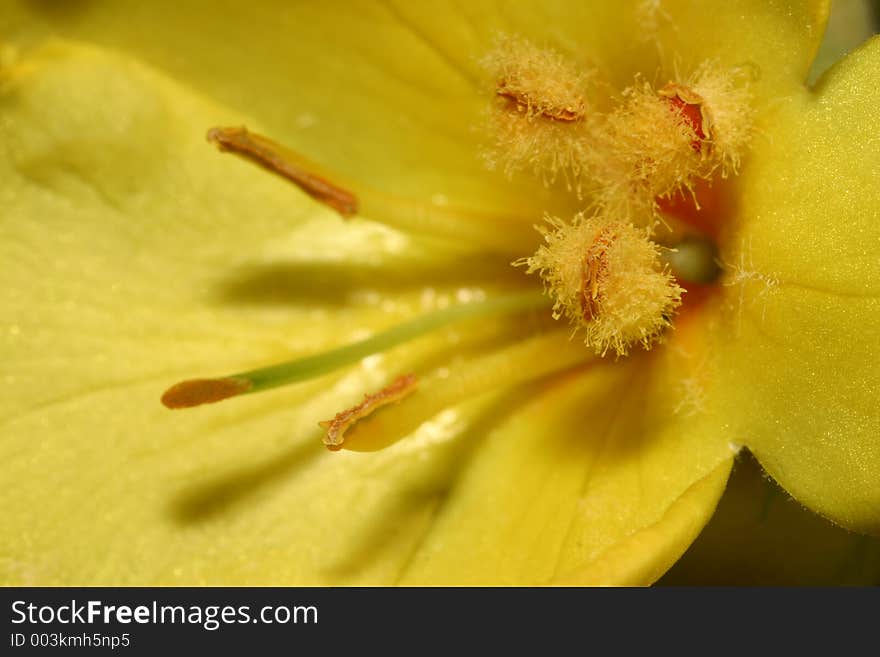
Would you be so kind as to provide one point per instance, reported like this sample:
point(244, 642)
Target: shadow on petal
point(408, 514)
point(759, 536)
point(222, 495)
point(60, 10)
point(334, 284)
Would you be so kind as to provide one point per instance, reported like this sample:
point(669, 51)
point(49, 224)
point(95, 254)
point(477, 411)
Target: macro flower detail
point(540, 120)
point(607, 278)
point(139, 256)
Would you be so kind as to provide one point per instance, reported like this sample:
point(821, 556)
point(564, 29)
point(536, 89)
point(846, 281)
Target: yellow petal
point(134, 260)
point(779, 37)
point(759, 536)
point(125, 242)
point(596, 479)
point(392, 92)
point(800, 363)
point(645, 555)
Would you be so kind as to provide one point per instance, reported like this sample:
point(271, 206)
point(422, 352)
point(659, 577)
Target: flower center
point(617, 270)
point(645, 157)
point(608, 279)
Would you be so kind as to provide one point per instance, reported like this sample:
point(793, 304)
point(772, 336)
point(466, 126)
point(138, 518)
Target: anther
point(195, 392)
point(692, 110)
point(402, 387)
point(541, 118)
point(522, 101)
point(348, 197)
point(721, 99)
point(275, 158)
point(594, 269)
point(607, 278)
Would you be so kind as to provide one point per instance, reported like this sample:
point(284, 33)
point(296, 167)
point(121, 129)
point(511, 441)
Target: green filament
point(302, 369)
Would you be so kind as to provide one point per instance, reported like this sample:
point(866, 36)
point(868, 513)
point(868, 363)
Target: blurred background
point(851, 22)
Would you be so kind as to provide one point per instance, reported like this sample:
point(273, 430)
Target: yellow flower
point(136, 256)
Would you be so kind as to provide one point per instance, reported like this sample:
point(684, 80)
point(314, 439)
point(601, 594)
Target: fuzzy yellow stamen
point(660, 143)
point(649, 153)
point(607, 278)
point(541, 119)
point(726, 106)
point(693, 112)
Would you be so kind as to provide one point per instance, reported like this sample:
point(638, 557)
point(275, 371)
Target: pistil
point(195, 392)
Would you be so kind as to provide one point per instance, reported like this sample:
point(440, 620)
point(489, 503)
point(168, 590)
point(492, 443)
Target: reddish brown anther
point(196, 392)
point(522, 103)
point(393, 393)
point(275, 158)
point(692, 109)
point(593, 268)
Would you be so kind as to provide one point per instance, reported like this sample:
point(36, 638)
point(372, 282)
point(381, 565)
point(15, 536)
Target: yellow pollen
point(728, 113)
point(607, 278)
point(541, 119)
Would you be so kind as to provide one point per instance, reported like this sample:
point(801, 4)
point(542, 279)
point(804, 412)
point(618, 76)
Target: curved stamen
point(348, 198)
point(510, 366)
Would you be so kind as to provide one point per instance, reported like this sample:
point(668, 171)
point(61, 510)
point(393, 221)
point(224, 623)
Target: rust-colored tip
point(196, 392)
point(279, 160)
point(391, 394)
point(223, 137)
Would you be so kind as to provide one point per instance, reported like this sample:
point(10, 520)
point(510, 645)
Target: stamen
point(507, 234)
point(692, 109)
point(516, 364)
point(201, 391)
point(541, 119)
point(658, 144)
point(538, 81)
point(607, 278)
point(726, 112)
point(391, 394)
point(523, 103)
point(267, 154)
point(649, 153)
point(594, 269)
